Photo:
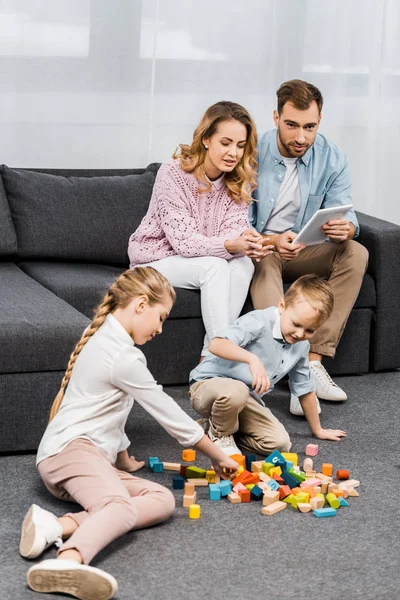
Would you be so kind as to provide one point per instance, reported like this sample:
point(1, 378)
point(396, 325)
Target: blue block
point(249, 459)
point(275, 457)
point(214, 491)
point(178, 482)
point(289, 465)
point(274, 485)
point(225, 487)
point(256, 493)
point(152, 460)
point(325, 512)
point(289, 479)
point(158, 467)
point(343, 502)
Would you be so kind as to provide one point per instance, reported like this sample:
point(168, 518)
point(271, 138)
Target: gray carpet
point(234, 552)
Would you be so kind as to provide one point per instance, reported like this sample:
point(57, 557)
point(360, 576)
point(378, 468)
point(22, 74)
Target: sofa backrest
point(8, 238)
point(76, 215)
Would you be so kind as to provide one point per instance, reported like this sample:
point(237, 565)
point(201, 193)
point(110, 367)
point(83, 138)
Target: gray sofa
point(63, 239)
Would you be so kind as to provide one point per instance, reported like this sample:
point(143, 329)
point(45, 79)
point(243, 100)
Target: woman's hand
point(261, 382)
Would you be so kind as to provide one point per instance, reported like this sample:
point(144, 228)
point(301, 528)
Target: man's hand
point(283, 244)
point(339, 230)
point(260, 381)
point(330, 434)
point(129, 463)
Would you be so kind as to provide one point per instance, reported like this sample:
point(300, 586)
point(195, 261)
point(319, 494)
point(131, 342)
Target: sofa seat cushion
point(87, 219)
point(38, 330)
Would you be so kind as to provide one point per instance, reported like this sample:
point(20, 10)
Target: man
point(299, 172)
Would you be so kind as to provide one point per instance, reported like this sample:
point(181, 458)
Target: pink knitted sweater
point(181, 220)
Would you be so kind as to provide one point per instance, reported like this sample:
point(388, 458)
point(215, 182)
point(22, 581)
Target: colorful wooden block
point(270, 497)
point(289, 479)
point(274, 485)
point(151, 460)
point(342, 474)
point(198, 482)
point(240, 477)
point(275, 471)
point(244, 495)
point(189, 499)
point(189, 489)
point(168, 466)
point(157, 467)
point(256, 466)
point(304, 507)
point(250, 458)
point(327, 469)
point(178, 482)
point(353, 493)
point(291, 456)
point(194, 511)
point(214, 492)
point(234, 498)
point(250, 478)
point(343, 502)
point(291, 499)
point(353, 483)
point(195, 473)
point(239, 486)
point(284, 491)
point(310, 483)
point(183, 470)
point(264, 477)
point(311, 449)
point(239, 459)
point(210, 476)
point(225, 487)
point(294, 473)
point(266, 467)
point(332, 500)
point(275, 457)
point(316, 503)
point(188, 455)
point(256, 493)
point(324, 512)
point(274, 508)
point(303, 497)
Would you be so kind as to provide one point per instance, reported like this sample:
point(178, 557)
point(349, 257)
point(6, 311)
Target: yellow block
point(210, 476)
point(240, 470)
point(250, 486)
point(194, 511)
point(276, 470)
point(303, 497)
point(322, 496)
point(292, 456)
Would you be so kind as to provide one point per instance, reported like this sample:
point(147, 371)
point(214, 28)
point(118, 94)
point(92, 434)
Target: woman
point(195, 229)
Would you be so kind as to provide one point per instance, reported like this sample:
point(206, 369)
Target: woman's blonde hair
point(318, 292)
point(241, 181)
point(140, 281)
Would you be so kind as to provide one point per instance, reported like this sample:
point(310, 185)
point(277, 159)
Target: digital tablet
point(311, 234)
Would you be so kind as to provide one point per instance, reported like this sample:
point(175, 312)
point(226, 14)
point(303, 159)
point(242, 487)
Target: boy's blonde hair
point(316, 291)
point(140, 281)
point(242, 180)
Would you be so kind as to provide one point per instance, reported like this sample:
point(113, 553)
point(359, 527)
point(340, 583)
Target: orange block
point(240, 459)
point(297, 490)
point(338, 492)
point(251, 478)
point(327, 469)
point(189, 455)
point(244, 495)
point(342, 474)
point(312, 492)
point(278, 478)
point(284, 491)
point(240, 477)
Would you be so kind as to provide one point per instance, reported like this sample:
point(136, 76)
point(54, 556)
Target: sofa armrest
point(382, 240)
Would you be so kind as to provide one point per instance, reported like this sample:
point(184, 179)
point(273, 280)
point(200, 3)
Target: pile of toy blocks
point(277, 482)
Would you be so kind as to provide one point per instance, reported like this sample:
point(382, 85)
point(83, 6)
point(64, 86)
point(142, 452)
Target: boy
point(255, 352)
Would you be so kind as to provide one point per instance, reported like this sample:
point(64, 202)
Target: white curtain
point(121, 83)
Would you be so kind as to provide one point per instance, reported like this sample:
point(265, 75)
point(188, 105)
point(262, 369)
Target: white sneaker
point(70, 577)
point(225, 442)
point(40, 530)
point(295, 406)
point(325, 388)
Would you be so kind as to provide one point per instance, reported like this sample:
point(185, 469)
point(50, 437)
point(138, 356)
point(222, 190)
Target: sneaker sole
point(30, 546)
point(83, 584)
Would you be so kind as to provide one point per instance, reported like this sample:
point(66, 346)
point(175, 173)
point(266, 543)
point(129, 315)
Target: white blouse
point(109, 374)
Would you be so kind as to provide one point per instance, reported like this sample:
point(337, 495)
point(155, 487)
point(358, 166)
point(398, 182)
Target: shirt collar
point(278, 157)
point(276, 327)
point(218, 183)
point(119, 330)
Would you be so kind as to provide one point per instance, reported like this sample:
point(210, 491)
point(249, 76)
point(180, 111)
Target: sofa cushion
point(38, 331)
point(8, 238)
point(76, 218)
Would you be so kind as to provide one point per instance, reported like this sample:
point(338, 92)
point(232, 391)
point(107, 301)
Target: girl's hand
point(226, 467)
point(129, 464)
point(261, 382)
point(330, 434)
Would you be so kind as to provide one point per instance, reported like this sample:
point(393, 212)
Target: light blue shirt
point(324, 181)
point(259, 332)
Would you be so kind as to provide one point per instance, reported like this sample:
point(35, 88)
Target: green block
point(291, 499)
point(195, 473)
point(298, 476)
point(266, 467)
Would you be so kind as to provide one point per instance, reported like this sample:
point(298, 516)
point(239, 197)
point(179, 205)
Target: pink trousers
point(114, 501)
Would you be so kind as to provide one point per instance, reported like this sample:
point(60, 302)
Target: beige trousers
point(114, 501)
point(232, 410)
point(343, 264)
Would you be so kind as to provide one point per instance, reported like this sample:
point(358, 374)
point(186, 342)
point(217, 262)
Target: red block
point(277, 478)
point(240, 477)
point(250, 478)
point(284, 491)
point(244, 495)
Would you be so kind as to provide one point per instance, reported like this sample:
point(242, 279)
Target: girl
point(195, 231)
point(83, 454)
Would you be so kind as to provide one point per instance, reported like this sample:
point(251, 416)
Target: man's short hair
point(300, 93)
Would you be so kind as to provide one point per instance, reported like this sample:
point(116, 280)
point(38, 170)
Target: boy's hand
point(129, 464)
point(330, 434)
point(260, 381)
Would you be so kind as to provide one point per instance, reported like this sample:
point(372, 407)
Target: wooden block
point(331, 487)
point(270, 497)
point(327, 469)
point(324, 487)
point(234, 498)
point(256, 466)
point(210, 476)
point(303, 497)
point(275, 470)
point(198, 482)
point(264, 486)
point(244, 495)
point(353, 483)
point(318, 489)
point(239, 486)
point(189, 499)
point(323, 477)
point(189, 489)
point(322, 497)
point(172, 466)
point(353, 493)
point(274, 508)
point(311, 449)
point(312, 492)
point(241, 476)
point(195, 472)
point(342, 474)
point(316, 503)
point(307, 465)
point(337, 492)
point(178, 482)
point(325, 512)
point(284, 491)
point(264, 477)
point(310, 483)
point(332, 500)
point(214, 493)
point(266, 467)
point(250, 478)
point(240, 459)
point(194, 511)
point(188, 455)
point(304, 507)
point(291, 457)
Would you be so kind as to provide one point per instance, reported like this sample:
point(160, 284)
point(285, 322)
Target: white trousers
point(223, 284)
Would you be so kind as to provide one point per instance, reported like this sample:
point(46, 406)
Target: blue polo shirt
point(324, 181)
point(259, 332)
